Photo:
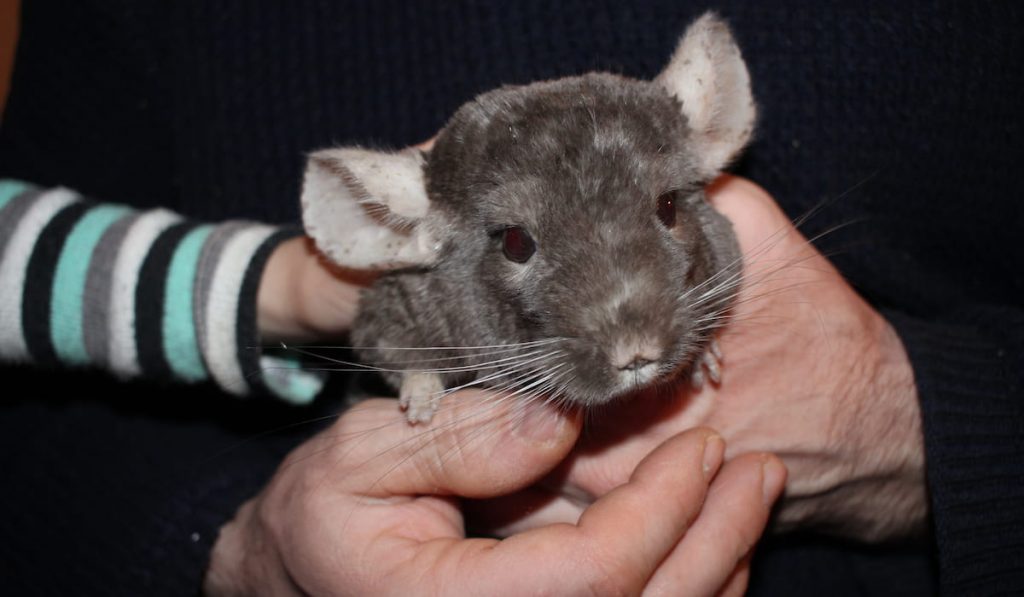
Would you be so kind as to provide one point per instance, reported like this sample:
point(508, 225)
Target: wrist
point(880, 493)
point(279, 306)
point(890, 445)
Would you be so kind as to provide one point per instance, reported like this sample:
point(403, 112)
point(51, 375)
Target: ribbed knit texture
point(907, 114)
point(155, 295)
point(970, 374)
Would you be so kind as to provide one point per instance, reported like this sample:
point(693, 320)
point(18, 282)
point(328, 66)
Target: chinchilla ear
point(367, 209)
point(707, 74)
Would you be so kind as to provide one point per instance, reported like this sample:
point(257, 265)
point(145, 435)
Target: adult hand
point(811, 373)
point(370, 506)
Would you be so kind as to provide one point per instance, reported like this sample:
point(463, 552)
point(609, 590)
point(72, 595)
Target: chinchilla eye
point(667, 209)
point(517, 244)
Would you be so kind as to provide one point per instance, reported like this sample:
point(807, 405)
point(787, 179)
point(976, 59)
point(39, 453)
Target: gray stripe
point(11, 214)
point(208, 259)
point(98, 282)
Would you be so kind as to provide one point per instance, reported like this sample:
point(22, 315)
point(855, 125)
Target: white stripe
point(15, 265)
point(122, 352)
point(222, 307)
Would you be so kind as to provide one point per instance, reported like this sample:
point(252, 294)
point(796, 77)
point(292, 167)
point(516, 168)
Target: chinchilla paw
point(711, 362)
point(420, 395)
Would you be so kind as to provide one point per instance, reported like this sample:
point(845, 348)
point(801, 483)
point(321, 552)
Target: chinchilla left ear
point(368, 209)
point(708, 75)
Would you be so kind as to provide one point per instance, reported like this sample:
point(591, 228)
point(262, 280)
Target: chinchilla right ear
point(367, 209)
point(708, 76)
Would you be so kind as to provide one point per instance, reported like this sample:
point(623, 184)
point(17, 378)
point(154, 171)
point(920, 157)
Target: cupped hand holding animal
point(371, 506)
point(811, 372)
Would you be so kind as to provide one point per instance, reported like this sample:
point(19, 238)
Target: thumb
point(479, 444)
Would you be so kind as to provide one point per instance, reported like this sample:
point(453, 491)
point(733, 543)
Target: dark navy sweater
point(909, 111)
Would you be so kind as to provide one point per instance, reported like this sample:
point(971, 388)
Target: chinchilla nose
point(637, 363)
point(633, 356)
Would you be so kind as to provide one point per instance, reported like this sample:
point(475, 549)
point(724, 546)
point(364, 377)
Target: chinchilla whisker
point(524, 383)
point(513, 348)
point(497, 375)
point(532, 382)
point(361, 367)
point(542, 385)
point(756, 280)
point(487, 407)
point(451, 358)
point(821, 205)
point(268, 432)
point(517, 367)
point(716, 293)
point(510, 345)
point(711, 280)
point(419, 440)
point(505, 372)
point(757, 254)
point(527, 379)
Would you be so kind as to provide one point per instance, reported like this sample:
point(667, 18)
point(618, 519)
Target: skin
point(369, 507)
point(303, 297)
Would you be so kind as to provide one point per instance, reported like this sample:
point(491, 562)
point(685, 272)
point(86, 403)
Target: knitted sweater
point(908, 112)
point(137, 293)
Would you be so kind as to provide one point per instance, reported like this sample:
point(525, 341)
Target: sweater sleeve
point(139, 293)
point(968, 372)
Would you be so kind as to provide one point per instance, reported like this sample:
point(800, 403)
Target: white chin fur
point(634, 379)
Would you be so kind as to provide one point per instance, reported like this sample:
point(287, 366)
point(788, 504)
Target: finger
point(616, 546)
point(729, 192)
point(531, 508)
point(733, 519)
point(479, 444)
point(658, 504)
point(426, 145)
point(619, 541)
point(736, 586)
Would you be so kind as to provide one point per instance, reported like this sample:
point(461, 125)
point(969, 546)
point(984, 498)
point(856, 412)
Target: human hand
point(369, 506)
point(304, 297)
point(811, 373)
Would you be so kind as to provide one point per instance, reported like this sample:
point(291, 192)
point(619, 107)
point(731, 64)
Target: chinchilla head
point(575, 204)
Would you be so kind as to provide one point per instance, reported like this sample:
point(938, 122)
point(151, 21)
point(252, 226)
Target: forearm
point(137, 293)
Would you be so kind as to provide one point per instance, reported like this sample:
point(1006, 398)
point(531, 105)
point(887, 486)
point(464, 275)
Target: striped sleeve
point(138, 293)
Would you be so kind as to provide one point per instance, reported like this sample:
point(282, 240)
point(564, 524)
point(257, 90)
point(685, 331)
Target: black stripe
point(38, 291)
point(246, 331)
point(149, 301)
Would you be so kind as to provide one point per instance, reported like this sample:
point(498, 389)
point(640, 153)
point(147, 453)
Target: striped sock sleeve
point(138, 293)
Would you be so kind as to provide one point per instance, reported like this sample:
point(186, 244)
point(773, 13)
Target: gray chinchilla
point(555, 240)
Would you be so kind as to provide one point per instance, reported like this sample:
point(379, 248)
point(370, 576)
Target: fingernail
point(773, 477)
point(540, 423)
point(714, 450)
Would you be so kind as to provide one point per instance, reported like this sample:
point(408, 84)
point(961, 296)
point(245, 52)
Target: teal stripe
point(181, 346)
point(69, 282)
point(9, 189)
point(286, 378)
